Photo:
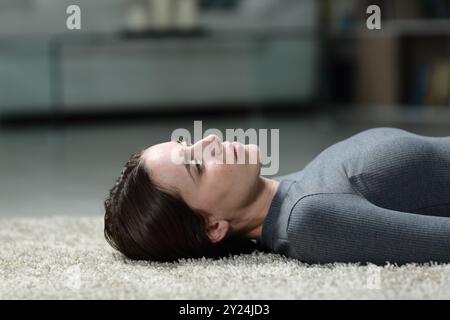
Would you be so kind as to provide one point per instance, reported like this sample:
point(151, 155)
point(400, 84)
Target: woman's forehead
point(161, 151)
point(158, 160)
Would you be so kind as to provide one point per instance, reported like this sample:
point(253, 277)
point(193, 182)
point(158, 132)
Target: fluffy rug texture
point(68, 258)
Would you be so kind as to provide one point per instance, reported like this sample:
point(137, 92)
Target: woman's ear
point(217, 230)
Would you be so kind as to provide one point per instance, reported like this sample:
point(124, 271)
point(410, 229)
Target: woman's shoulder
point(375, 135)
point(295, 176)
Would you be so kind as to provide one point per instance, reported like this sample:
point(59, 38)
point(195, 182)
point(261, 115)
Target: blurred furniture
point(406, 63)
point(239, 57)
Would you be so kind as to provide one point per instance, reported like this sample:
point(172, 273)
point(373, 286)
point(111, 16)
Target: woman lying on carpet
point(382, 195)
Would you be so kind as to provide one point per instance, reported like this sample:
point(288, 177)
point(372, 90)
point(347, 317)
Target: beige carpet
point(67, 258)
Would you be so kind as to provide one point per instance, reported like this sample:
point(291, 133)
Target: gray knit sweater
point(382, 195)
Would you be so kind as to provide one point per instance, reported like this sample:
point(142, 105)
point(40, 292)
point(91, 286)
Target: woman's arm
point(327, 228)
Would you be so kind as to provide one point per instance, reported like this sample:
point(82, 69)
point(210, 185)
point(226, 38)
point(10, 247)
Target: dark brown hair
point(144, 222)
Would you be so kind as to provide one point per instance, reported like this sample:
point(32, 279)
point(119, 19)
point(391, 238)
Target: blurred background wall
point(259, 51)
point(246, 51)
point(75, 103)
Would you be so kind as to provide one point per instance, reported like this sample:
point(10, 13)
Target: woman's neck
point(254, 215)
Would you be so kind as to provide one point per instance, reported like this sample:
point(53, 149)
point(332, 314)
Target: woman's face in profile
point(210, 175)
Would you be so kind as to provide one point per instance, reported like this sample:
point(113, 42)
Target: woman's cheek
point(218, 172)
point(219, 179)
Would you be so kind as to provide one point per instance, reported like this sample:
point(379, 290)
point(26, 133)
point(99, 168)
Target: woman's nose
point(210, 143)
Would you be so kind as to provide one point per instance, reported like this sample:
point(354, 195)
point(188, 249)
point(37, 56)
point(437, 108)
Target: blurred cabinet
point(195, 72)
point(289, 70)
point(257, 51)
point(132, 74)
point(111, 72)
point(24, 78)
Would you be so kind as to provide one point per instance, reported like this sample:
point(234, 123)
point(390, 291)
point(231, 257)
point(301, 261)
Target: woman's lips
point(229, 149)
point(238, 150)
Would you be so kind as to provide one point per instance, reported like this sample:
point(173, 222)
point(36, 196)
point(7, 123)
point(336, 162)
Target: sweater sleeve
point(344, 227)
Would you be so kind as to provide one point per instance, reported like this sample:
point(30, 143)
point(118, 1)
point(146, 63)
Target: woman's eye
point(198, 164)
